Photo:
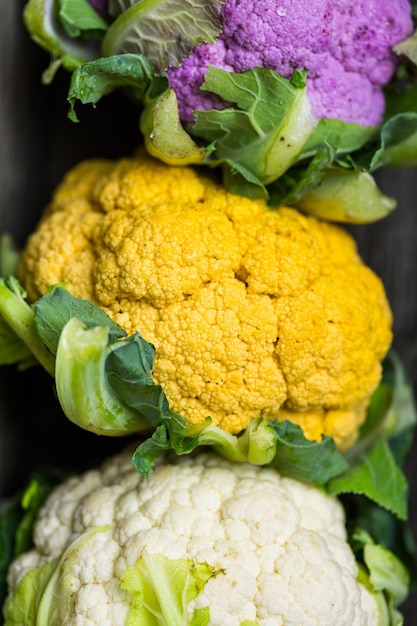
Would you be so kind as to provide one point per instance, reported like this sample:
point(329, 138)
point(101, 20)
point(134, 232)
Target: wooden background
point(37, 145)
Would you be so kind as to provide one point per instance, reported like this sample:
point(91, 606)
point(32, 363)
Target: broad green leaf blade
point(267, 127)
point(240, 180)
point(341, 137)
point(394, 132)
point(57, 307)
point(164, 31)
point(162, 589)
point(91, 81)
point(150, 450)
point(307, 461)
point(82, 387)
point(378, 477)
point(78, 18)
point(404, 152)
point(128, 370)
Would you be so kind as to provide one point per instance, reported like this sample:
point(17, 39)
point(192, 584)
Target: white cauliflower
point(232, 544)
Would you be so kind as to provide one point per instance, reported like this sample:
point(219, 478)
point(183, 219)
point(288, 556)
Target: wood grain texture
point(37, 145)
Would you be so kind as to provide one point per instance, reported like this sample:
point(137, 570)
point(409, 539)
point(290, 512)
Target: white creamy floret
point(281, 545)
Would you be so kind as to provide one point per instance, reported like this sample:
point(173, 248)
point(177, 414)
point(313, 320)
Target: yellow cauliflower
point(254, 313)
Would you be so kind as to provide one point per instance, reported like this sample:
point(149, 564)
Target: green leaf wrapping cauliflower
point(254, 313)
point(202, 541)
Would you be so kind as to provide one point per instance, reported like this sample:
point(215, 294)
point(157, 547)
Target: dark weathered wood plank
point(37, 145)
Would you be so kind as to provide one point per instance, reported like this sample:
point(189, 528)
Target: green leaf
point(104, 384)
point(307, 461)
point(78, 18)
point(403, 154)
point(387, 574)
point(408, 47)
point(43, 24)
point(33, 498)
point(162, 589)
point(23, 606)
point(390, 423)
point(17, 516)
point(298, 181)
point(383, 574)
point(82, 386)
point(384, 528)
point(91, 81)
point(128, 370)
point(347, 196)
point(150, 450)
point(401, 416)
point(341, 137)
point(165, 138)
point(391, 413)
point(240, 181)
point(164, 31)
point(58, 306)
point(16, 314)
point(266, 128)
point(45, 594)
point(394, 132)
point(278, 444)
point(378, 477)
point(10, 516)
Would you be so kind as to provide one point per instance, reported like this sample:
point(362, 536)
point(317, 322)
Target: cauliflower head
point(254, 313)
point(277, 548)
point(345, 45)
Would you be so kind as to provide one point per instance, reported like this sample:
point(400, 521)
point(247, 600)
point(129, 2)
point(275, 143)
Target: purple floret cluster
point(345, 46)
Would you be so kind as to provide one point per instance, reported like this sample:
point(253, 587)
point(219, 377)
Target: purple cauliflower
point(345, 46)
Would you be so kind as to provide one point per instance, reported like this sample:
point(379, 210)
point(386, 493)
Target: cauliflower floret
point(345, 46)
point(279, 546)
point(254, 313)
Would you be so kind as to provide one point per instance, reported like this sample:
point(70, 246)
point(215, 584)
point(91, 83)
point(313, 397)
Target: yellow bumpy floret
point(254, 313)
